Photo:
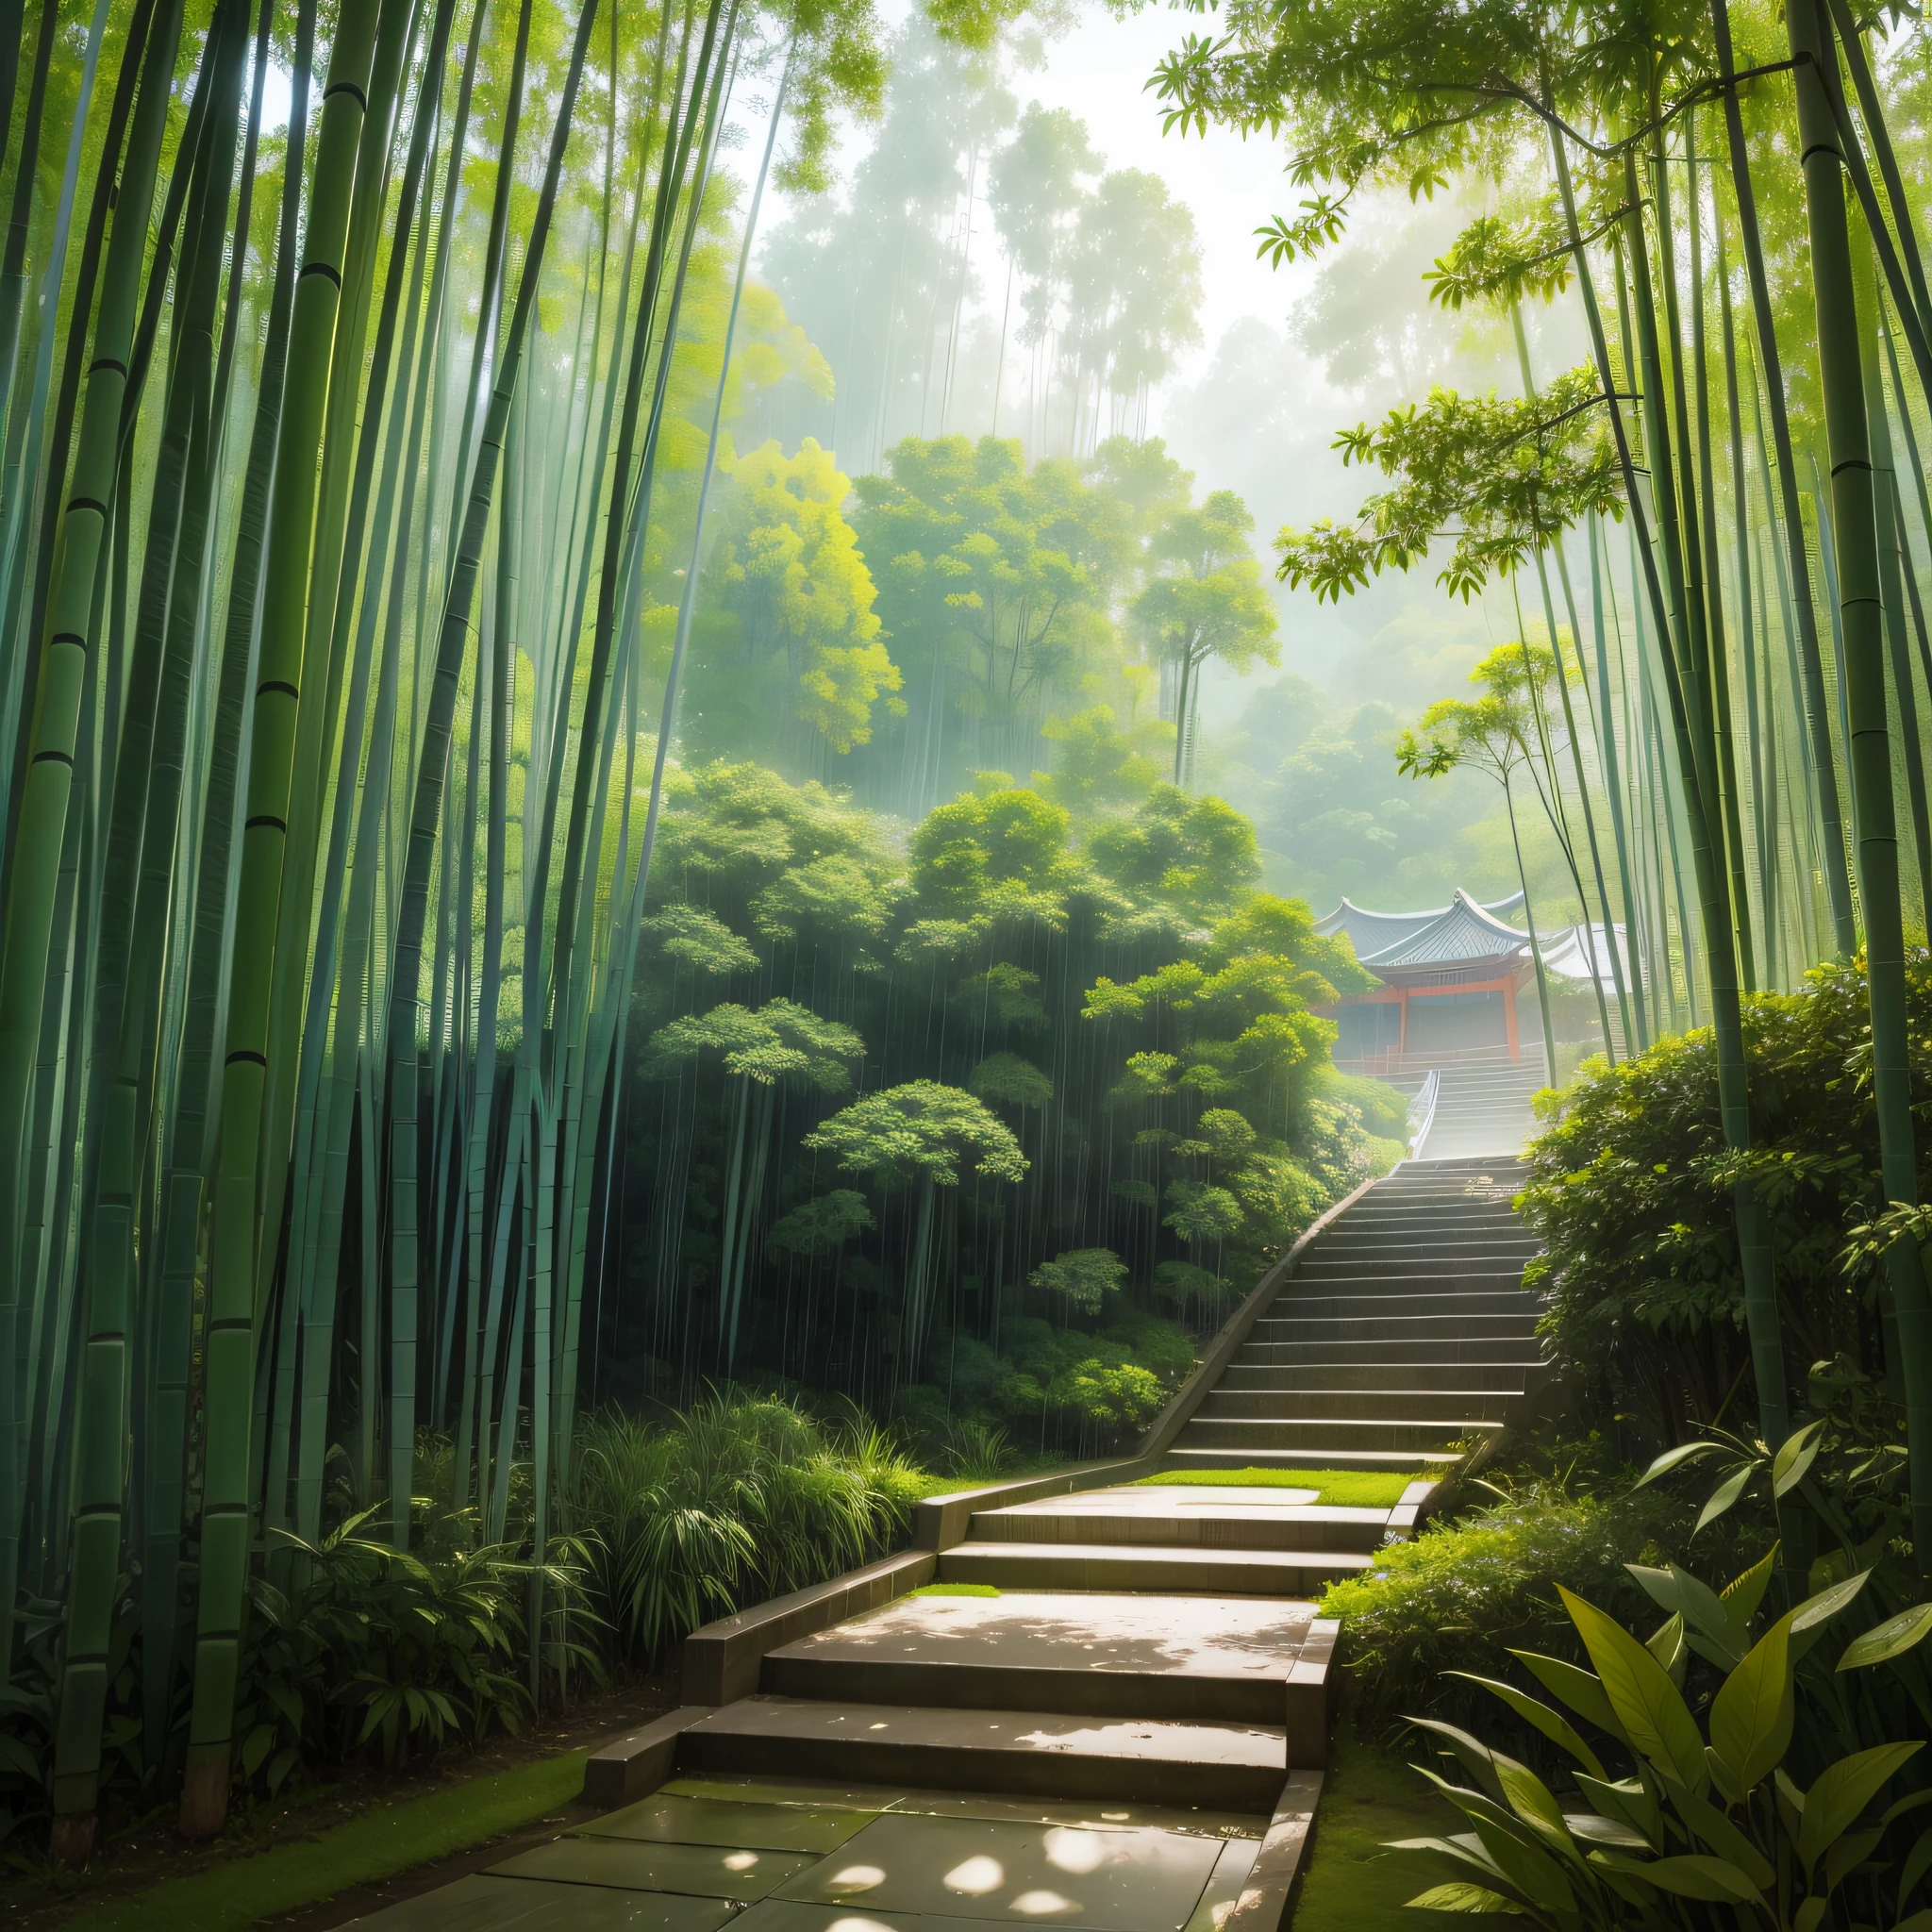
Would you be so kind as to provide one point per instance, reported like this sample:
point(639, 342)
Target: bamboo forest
point(722, 721)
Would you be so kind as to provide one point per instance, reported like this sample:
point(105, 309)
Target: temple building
point(1459, 981)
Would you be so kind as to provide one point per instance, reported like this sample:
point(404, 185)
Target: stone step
point(1515, 1350)
point(1410, 1264)
point(1449, 1405)
point(1187, 1571)
point(1453, 1238)
point(1393, 1376)
point(1327, 1432)
point(1138, 1761)
point(1324, 1333)
point(1420, 1463)
point(1362, 1300)
point(1092, 1655)
point(1205, 1518)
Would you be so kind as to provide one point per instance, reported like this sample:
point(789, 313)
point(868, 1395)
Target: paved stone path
point(1122, 1730)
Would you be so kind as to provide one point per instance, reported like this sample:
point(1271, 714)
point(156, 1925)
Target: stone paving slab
point(698, 1870)
point(1233, 1765)
point(1121, 1880)
point(674, 1818)
point(1099, 1813)
point(1208, 1636)
point(486, 1903)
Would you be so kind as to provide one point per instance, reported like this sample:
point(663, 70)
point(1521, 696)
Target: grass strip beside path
point(1340, 1488)
point(1354, 1883)
point(383, 1842)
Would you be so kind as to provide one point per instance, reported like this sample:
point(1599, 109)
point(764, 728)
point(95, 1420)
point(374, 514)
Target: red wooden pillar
point(1510, 1031)
point(1402, 1033)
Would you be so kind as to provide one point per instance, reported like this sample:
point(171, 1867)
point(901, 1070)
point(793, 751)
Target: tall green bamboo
point(242, 1157)
point(68, 642)
point(1842, 353)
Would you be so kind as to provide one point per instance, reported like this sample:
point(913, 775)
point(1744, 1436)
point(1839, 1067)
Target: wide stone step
point(1231, 1432)
point(1091, 1655)
point(1395, 1331)
point(1424, 1464)
point(1517, 1353)
point(1363, 1404)
point(1362, 1300)
point(1189, 1571)
point(1138, 1761)
point(1205, 1519)
point(1417, 1263)
point(1388, 1231)
point(1508, 1376)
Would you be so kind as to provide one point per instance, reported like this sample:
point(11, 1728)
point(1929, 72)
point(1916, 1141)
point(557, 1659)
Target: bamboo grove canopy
point(328, 456)
point(1715, 197)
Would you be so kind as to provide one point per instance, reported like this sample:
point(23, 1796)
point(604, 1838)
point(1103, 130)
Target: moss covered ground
point(385, 1841)
point(1340, 1488)
point(1353, 1883)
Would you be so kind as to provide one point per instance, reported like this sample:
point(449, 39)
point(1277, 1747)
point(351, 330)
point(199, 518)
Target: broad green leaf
point(1552, 1725)
point(1476, 1756)
point(1693, 1874)
point(1649, 1706)
point(1581, 1690)
point(1723, 1496)
point(1752, 1715)
point(1886, 1640)
point(1706, 1611)
point(1820, 1609)
point(1794, 1459)
point(1599, 1831)
point(1717, 1834)
point(1666, 1643)
point(1533, 1803)
point(1839, 1793)
point(1918, 1862)
point(1848, 1854)
point(1742, 1595)
point(1630, 1804)
point(1675, 1458)
point(1528, 1867)
point(1463, 1898)
point(1810, 1915)
point(1920, 1921)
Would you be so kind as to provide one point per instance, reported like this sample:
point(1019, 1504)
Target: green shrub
point(1749, 1802)
point(1065, 1389)
point(1630, 1190)
point(1463, 1594)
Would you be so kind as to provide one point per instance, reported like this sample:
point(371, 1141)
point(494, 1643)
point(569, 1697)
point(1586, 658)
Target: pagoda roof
point(1446, 935)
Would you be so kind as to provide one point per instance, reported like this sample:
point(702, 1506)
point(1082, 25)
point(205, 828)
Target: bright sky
point(1100, 73)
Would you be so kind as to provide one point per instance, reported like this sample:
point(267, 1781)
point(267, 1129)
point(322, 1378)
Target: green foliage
point(1085, 1278)
point(1336, 1488)
point(1462, 1595)
point(792, 642)
point(735, 1500)
point(962, 957)
point(1711, 1834)
point(1629, 1190)
point(921, 1130)
point(1090, 1393)
point(1503, 477)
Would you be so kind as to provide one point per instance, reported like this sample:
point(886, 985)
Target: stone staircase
point(1483, 1108)
point(1103, 1708)
point(1404, 1335)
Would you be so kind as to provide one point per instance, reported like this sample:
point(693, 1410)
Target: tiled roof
point(1461, 930)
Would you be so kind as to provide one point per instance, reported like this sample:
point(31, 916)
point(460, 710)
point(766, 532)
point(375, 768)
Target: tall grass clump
point(739, 1498)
